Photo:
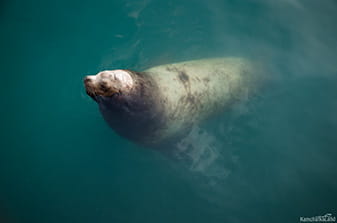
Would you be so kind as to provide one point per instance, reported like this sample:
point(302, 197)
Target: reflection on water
point(271, 158)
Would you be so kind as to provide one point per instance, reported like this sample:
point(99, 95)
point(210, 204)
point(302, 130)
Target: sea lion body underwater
point(161, 104)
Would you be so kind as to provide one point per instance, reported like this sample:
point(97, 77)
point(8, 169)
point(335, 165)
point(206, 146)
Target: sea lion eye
point(104, 86)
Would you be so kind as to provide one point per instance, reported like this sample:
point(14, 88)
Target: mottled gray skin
point(166, 101)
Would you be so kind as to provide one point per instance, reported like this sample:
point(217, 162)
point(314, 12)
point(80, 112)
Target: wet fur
point(166, 101)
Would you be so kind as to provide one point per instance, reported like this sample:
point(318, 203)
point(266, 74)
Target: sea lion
point(162, 103)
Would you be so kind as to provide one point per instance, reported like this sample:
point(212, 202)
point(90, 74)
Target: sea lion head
point(108, 83)
point(128, 101)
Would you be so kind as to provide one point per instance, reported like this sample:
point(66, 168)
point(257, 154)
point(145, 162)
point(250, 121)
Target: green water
point(273, 158)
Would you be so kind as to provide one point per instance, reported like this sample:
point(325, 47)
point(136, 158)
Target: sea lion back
point(195, 90)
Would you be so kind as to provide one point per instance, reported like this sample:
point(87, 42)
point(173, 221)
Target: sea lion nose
point(87, 79)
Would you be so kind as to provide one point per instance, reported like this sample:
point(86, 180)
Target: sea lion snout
point(108, 82)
